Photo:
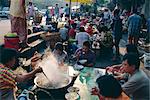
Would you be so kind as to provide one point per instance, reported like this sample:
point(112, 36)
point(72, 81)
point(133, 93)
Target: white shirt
point(16, 9)
point(82, 37)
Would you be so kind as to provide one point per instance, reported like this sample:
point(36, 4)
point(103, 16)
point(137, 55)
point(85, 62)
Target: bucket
point(11, 40)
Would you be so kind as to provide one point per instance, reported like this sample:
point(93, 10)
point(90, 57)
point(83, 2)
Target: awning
point(81, 1)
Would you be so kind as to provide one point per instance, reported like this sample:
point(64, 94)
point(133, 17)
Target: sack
point(108, 40)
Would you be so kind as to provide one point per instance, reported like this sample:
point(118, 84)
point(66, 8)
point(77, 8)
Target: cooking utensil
point(46, 76)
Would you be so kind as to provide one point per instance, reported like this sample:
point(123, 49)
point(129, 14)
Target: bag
point(108, 40)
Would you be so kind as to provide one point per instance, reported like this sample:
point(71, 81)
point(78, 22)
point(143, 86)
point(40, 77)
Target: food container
point(72, 96)
point(11, 40)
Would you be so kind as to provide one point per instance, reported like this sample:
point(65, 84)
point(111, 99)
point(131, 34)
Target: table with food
point(63, 81)
point(71, 85)
point(86, 81)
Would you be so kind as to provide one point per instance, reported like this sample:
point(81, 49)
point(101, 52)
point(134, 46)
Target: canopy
point(81, 1)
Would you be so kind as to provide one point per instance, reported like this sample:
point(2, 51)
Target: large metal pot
point(59, 86)
point(57, 92)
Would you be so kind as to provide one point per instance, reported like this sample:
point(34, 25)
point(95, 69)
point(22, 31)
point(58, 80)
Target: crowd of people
point(85, 32)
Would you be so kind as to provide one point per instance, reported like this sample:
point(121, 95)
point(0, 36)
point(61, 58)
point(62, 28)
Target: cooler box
point(11, 40)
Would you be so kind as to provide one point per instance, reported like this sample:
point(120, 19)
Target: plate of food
point(72, 96)
point(73, 89)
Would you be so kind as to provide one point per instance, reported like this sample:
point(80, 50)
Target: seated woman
point(89, 30)
point(72, 31)
point(109, 89)
point(117, 69)
point(87, 54)
point(8, 78)
point(59, 53)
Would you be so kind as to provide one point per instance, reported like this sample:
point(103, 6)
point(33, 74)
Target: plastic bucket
point(11, 41)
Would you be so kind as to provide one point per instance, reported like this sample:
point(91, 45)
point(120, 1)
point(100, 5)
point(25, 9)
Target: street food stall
point(70, 81)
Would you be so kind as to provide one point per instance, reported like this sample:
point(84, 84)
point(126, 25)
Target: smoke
point(51, 69)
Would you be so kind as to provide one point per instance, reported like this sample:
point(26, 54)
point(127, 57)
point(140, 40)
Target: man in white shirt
point(64, 33)
point(81, 37)
point(18, 20)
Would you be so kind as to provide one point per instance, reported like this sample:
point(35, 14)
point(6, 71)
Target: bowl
point(72, 96)
point(83, 61)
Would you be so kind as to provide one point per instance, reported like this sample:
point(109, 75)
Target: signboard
point(81, 1)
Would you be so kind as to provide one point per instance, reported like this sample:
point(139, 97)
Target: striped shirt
point(7, 83)
point(7, 78)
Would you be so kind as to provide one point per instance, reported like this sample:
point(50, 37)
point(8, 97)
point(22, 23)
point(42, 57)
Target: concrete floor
point(105, 59)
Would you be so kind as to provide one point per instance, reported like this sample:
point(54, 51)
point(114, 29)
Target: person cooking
point(86, 53)
point(8, 78)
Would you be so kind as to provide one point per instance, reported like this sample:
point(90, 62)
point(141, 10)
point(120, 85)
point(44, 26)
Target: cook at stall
point(8, 78)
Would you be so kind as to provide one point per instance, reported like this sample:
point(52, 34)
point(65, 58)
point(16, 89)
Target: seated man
point(81, 37)
point(117, 69)
point(137, 87)
point(59, 53)
point(110, 89)
point(64, 33)
point(86, 53)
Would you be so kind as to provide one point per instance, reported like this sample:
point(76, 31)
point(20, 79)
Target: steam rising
point(51, 68)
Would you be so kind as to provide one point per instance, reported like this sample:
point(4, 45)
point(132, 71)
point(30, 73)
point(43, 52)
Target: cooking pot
point(65, 83)
point(58, 92)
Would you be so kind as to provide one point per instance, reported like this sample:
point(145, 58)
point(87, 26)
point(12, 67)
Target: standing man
point(48, 16)
point(67, 11)
point(117, 30)
point(18, 20)
point(134, 27)
point(31, 11)
point(56, 11)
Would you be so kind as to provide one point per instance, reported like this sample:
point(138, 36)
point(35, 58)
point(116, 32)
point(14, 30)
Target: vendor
point(86, 53)
point(8, 78)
